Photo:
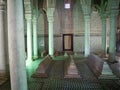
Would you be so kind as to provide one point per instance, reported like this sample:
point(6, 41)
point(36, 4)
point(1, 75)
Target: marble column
point(103, 34)
point(51, 42)
point(16, 45)
point(3, 39)
point(29, 37)
point(112, 38)
point(50, 17)
point(35, 46)
point(87, 35)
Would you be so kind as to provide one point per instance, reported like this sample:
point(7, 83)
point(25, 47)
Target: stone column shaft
point(51, 42)
point(50, 16)
point(3, 38)
point(29, 38)
point(112, 39)
point(35, 46)
point(16, 45)
point(103, 35)
point(87, 35)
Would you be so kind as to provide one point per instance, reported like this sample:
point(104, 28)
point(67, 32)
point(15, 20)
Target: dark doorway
point(67, 42)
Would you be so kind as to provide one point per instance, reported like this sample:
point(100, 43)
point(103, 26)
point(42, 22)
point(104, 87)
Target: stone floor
point(55, 81)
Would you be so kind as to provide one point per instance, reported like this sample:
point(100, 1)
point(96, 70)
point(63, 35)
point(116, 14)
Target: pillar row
point(16, 45)
point(87, 35)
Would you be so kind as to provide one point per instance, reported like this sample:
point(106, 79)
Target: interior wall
point(61, 26)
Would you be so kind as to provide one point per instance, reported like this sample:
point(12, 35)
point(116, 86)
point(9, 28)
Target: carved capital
point(34, 19)
point(35, 13)
point(2, 5)
point(114, 13)
point(27, 6)
point(50, 14)
point(50, 11)
point(28, 16)
point(103, 16)
point(50, 18)
point(86, 16)
point(115, 4)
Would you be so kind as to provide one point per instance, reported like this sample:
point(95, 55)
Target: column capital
point(2, 5)
point(27, 5)
point(28, 16)
point(115, 4)
point(114, 13)
point(28, 9)
point(50, 14)
point(114, 8)
point(50, 11)
point(34, 18)
point(2, 2)
point(86, 16)
point(103, 16)
point(50, 18)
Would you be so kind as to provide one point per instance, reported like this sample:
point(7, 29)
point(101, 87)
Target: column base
point(86, 55)
point(44, 53)
point(35, 57)
point(51, 56)
point(29, 59)
point(107, 72)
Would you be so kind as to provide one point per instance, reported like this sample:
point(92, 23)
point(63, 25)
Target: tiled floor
point(55, 81)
